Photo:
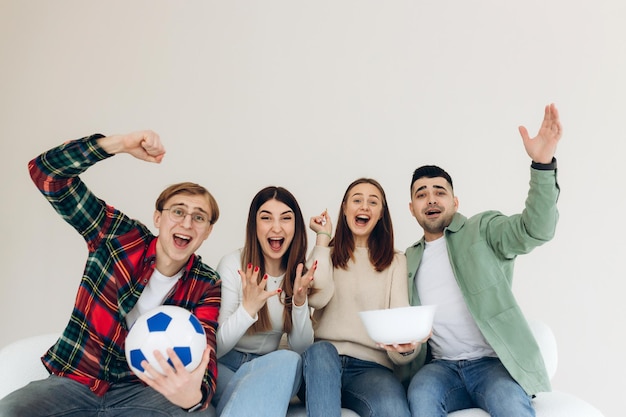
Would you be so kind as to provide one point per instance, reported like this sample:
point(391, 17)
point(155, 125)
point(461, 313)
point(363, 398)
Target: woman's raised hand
point(254, 294)
point(302, 284)
point(323, 227)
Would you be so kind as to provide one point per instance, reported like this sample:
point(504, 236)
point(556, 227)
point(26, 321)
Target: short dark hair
point(430, 171)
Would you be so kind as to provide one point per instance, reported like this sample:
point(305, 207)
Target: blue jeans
point(333, 381)
point(441, 387)
point(250, 385)
point(60, 396)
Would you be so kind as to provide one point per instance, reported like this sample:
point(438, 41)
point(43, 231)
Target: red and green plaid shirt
point(120, 262)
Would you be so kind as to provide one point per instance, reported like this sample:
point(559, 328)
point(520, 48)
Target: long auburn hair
point(295, 254)
point(380, 242)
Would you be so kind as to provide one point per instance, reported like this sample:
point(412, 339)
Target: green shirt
point(482, 251)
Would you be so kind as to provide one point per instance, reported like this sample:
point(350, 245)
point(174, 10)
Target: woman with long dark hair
point(264, 295)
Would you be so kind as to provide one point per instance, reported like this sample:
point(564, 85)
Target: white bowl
point(399, 325)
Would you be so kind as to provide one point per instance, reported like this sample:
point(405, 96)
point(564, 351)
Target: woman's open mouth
point(276, 243)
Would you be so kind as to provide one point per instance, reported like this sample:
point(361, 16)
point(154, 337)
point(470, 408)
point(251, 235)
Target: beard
point(436, 226)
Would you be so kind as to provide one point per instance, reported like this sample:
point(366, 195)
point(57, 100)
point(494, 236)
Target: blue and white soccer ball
point(165, 327)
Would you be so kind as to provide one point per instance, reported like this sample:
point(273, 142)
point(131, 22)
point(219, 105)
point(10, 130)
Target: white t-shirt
point(153, 295)
point(455, 333)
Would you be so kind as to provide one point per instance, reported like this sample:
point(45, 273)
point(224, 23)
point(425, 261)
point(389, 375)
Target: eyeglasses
point(178, 214)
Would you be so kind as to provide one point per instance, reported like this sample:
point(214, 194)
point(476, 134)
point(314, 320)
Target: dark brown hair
point(295, 254)
point(380, 243)
point(430, 171)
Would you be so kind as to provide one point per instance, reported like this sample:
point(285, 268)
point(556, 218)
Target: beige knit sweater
point(340, 295)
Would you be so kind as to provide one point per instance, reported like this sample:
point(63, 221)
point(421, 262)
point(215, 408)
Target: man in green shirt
point(481, 352)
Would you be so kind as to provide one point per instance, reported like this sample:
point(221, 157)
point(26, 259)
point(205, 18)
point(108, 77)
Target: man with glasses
point(128, 272)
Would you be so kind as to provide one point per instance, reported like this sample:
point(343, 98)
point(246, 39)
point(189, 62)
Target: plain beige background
point(311, 95)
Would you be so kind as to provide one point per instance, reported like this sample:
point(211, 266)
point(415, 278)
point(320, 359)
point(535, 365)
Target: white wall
point(311, 95)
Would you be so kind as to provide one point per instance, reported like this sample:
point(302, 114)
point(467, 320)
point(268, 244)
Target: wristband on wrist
point(199, 405)
point(544, 167)
point(325, 233)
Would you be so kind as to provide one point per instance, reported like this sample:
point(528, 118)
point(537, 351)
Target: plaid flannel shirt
point(120, 262)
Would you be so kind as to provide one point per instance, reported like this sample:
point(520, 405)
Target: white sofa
point(20, 364)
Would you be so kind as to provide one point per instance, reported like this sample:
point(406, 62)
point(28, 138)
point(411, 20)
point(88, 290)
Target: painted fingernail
point(279, 290)
point(265, 276)
point(256, 269)
point(249, 266)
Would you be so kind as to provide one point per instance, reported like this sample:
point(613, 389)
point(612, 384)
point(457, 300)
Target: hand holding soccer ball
point(165, 327)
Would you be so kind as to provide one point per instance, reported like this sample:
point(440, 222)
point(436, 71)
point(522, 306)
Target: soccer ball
point(165, 327)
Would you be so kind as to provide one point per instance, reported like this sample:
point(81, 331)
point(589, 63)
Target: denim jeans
point(442, 386)
point(60, 396)
point(333, 381)
point(250, 385)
